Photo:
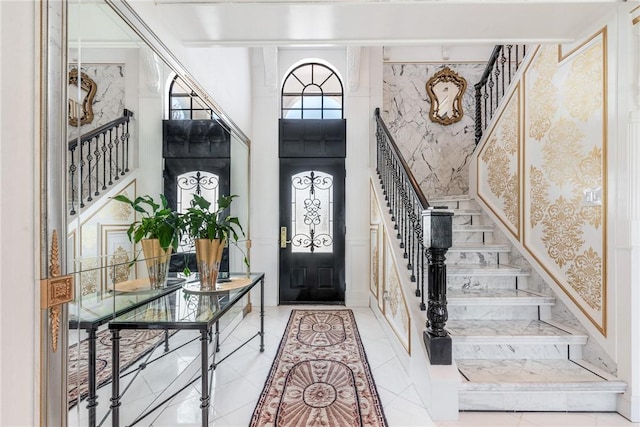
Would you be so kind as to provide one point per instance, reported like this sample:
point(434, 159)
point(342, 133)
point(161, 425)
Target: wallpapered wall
point(101, 241)
point(385, 282)
point(438, 154)
point(553, 124)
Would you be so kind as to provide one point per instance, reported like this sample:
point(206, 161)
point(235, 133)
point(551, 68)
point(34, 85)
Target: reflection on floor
point(238, 381)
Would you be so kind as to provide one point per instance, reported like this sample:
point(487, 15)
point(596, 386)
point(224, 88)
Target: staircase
point(511, 354)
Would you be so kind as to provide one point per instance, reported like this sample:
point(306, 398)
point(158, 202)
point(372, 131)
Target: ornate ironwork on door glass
point(202, 183)
point(312, 212)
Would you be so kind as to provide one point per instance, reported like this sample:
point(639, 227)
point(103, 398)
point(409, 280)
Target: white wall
point(19, 339)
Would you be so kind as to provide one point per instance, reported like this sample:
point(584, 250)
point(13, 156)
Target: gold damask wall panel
point(499, 165)
point(395, 310)
point(564, 153)
point(104, 242)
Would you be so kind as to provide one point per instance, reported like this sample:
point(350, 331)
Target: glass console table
point(187, 308)
point(90, 315)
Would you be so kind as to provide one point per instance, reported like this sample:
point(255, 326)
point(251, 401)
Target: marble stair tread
point(473, 228)
point(512, 332)
point(479, 247)
point(474, 212)
point(486, 270)
point(470, 297)
point(532, 374)
point(433, 201)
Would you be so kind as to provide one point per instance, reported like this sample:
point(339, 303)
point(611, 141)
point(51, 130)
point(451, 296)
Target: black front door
point(312, 211)
point(196, 161)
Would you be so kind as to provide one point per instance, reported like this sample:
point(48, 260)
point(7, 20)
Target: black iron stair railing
point(425, 236)
point(500, 71)
point(405, 201)
point(97, 159)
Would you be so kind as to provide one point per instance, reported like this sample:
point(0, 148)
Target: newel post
point(437, 224)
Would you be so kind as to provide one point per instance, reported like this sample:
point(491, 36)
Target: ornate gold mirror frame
point(445, 90)
point(81, 113)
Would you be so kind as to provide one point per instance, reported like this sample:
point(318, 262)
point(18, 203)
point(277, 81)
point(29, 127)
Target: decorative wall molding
point(353, 67)
point(270, 58)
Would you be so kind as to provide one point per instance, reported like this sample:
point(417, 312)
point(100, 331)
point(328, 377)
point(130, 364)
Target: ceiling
point(370, 23)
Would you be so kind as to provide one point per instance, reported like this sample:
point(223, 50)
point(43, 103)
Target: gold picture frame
point(81, 110)
point(446, 89)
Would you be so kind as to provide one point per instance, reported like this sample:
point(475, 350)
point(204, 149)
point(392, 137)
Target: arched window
point(185, 104)
point(312, 91)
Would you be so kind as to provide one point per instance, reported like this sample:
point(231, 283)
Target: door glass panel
point(202, 183)
point(312, 212)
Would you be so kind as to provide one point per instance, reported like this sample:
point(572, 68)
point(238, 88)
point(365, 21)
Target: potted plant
point(158, 230)
point(210, 230)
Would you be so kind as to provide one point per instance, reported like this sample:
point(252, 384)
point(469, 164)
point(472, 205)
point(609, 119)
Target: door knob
point(283, 237)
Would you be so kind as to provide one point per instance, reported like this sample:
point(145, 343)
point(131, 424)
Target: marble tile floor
point(238, 382)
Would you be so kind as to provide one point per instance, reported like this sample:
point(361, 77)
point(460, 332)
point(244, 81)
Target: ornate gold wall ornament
point(55, 291)
point(584, 277)
point(446, 89)
point(81, 107)
point(562, 230)
point(538, 195)
point(500, 161)
point(120, 268)
point(586, 72)
point(561, 152)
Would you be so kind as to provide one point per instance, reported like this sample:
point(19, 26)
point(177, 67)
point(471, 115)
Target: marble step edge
point(455, 198)
point(475, 228)
point(513, 340)
point(510, 329)
point(476, 300)
point(480, 247)
point(575, 386)
point(598, 380)
point(486, 270)
point(460, 212)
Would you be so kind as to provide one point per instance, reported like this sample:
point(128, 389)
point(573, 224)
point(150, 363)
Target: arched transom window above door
point(185, 104)
point(312, 91)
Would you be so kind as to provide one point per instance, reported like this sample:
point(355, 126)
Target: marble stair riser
point(569, 401)
point(484, 282)
point(472, 237)
point(455, 203)
point(475, 257)
point(510, 351)
point(494, 312)
point(475, 218)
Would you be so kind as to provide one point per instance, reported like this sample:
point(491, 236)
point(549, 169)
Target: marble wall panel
point(108, 103)
point(438, 155)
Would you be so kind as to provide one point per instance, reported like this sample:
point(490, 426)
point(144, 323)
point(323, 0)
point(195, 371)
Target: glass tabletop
point(93, 312)
point(186, 309)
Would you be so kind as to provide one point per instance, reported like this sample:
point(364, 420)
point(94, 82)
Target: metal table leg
point(262, 315)
point(115, 378)
point(204, 375)
point(92, 398)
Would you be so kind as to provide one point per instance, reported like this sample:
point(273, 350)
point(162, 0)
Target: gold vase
point(208, 257)
point(157, 260)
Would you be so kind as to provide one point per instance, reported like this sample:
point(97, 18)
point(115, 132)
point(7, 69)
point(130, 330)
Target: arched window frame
point(288, 106)
point(195, 110)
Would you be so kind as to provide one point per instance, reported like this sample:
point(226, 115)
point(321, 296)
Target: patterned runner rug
point(320, 376)
point(133, 345)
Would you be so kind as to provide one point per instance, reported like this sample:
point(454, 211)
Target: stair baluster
point(89, 158)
